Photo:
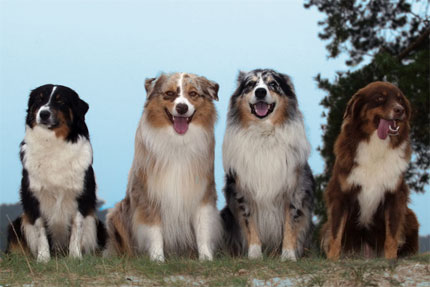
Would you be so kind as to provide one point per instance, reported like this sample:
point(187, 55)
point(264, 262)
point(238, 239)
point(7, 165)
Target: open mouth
point(262, 109)
point(387, 128)
point(180, 124)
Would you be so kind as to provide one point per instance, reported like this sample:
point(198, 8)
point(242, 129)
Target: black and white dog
point(58, 188)
point(269, 185)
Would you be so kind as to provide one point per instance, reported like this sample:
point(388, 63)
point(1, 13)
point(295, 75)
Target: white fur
point(37, 240)
point(254, 252)
point(288, 254)
point(56, 171)
point(178, 180)
point(76, 236)
point(207, 227)
point(89, 235)
point(150, 238)
point(261, 84)
point(46, 106)
point(379, 169)
point(265, 158)
point(183, 100)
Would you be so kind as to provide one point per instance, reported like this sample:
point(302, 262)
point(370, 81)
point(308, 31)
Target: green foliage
point(367, 27)
point(394, 35)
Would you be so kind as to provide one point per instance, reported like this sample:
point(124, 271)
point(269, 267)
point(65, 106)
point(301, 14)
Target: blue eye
point(273, 85)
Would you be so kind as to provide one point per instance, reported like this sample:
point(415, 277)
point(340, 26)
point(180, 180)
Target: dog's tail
point(233, 239)
point(16, 242)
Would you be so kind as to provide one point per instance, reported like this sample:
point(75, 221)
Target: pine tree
point(386, 41)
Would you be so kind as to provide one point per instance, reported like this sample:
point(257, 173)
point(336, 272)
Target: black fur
point(30, 203)
point(87, 200)
point(246, 83)
point(65, 100)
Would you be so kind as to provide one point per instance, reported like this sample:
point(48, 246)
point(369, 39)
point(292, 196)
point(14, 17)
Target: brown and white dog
point(367, 196)
point(170, 205)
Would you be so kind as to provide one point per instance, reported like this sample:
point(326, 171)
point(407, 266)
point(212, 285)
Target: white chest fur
point(379, 168)
point(178, 179)
point(265, 157)
point(56, 171)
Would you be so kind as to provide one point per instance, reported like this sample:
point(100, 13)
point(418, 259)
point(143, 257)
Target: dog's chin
point(180, 124)
point(387, 127)
point(262, 109)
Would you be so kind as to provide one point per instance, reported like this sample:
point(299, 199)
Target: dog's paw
point(254, 252)
point(288, 254)
point(157, 256)
point(205, 254)
point(75, 253)
point(43, 256)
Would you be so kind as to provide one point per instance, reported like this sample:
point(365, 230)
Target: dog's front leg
point(76, 237)
point(289, 242)
point(207, 228)
point(35, 235)
point(337, 219)
point(392, 223)
point(148, 231)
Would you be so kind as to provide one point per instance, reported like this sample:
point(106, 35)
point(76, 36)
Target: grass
point(223, 271)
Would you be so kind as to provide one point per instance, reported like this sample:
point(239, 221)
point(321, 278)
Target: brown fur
point(394, 229)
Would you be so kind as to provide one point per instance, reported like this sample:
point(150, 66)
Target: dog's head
point(180, 100)
point(57, 108)
point(263, 95)
point(379, 106)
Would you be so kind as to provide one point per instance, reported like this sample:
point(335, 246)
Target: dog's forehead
point(382, 88)
point(180, 81)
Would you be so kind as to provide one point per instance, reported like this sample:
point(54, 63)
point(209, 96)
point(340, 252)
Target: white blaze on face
point(45, 107)
point(181, 121)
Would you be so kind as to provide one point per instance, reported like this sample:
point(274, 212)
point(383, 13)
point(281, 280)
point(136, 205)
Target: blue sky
point(105, 49)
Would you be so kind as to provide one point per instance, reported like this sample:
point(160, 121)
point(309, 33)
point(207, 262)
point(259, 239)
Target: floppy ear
point(352, 106)
point(149, 85)
point(408, 109)
point(83, 107)
point(210, 88)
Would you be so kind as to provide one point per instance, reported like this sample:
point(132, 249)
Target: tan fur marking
point(391, 242)
point(289, 241)
point(335, 244)
point(62, 130)
point(279, 115)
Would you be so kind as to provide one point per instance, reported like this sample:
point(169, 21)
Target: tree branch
point(414, 45)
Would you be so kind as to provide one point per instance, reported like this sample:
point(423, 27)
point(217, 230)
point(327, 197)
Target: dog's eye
point(170, 94)
point(193, 94)
point(273, 85)
point(250, 84)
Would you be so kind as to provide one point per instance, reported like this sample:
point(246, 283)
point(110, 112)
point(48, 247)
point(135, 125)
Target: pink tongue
point(261, 109)
point(180, 124)
point(383, 128)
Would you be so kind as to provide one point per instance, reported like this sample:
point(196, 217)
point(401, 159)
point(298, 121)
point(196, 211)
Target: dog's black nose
point(260, 93)
point(45, 114)
point(181, 108)
point(398, 111)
